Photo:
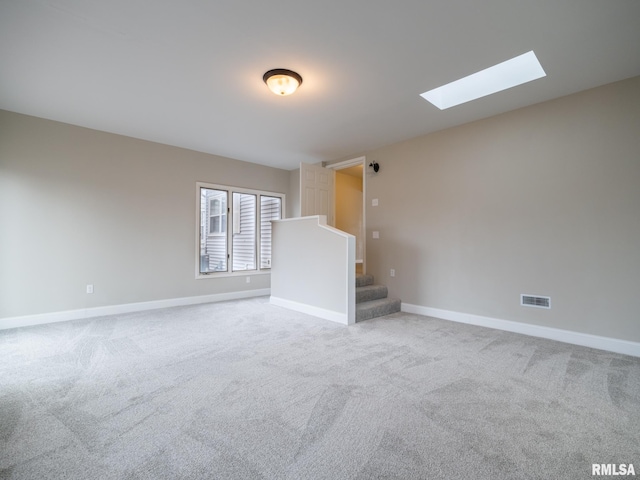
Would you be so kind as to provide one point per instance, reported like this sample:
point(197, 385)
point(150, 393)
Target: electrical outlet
point(248, 279)
point(376, 234)
point(89, 288)
point(374, 202)
point(392, 272)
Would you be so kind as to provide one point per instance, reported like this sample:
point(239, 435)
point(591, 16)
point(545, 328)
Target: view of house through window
point(213, 230)
point(235, 228)
point(270, 209)
point(244, 236)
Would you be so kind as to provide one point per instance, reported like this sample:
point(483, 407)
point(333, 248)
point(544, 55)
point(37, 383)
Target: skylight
point(521, 69)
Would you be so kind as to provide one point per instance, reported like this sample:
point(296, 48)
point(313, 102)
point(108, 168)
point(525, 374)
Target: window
point(246, 245)
point(270, 209)
point(213, 230)
point(244, 237)
point(217, 213)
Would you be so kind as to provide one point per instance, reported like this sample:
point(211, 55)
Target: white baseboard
point(311, 310)
point(29, 320)
point(576, 338)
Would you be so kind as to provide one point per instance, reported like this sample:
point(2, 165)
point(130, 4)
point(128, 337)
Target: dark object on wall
point(375, 166)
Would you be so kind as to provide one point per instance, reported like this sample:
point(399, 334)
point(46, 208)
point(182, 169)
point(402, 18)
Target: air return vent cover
point(535, 301)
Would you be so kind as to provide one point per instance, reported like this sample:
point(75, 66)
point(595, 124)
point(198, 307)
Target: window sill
point(239, 273)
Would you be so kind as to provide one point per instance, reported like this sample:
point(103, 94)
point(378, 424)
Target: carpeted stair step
point(370, 292)
point(364, 280)
point(377, 308)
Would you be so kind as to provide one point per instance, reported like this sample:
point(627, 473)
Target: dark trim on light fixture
point(375, 166)
point(281, 71)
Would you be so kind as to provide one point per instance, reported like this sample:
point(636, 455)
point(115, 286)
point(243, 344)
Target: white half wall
point(313, 268)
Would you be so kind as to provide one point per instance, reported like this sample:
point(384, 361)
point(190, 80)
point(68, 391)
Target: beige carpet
point(247, 390)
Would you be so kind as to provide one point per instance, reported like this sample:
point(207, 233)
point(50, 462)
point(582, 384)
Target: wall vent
point(535, 301)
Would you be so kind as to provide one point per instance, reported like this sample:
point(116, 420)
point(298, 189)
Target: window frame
point(230, 224)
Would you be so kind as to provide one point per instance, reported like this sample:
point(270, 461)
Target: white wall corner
point(615, 345)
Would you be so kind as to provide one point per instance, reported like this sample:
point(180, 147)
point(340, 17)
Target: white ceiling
point(189, 73)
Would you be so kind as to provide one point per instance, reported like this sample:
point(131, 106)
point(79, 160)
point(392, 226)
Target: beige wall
point(79, 207)
point(349, 207)
point(544, 200)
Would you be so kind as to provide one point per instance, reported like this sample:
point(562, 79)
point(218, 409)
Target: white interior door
point(317, 191)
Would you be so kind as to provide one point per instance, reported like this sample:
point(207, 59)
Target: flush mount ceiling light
point(521, 69)
point(282, 81)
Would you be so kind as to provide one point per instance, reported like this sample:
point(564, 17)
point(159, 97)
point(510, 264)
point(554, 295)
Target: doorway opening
point(349, 204)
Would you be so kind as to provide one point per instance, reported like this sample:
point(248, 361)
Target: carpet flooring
point(248, 390)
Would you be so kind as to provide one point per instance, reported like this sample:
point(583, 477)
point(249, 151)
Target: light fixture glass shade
point(282, 82)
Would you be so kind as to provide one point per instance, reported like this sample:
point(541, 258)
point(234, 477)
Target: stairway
point(371, 300)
